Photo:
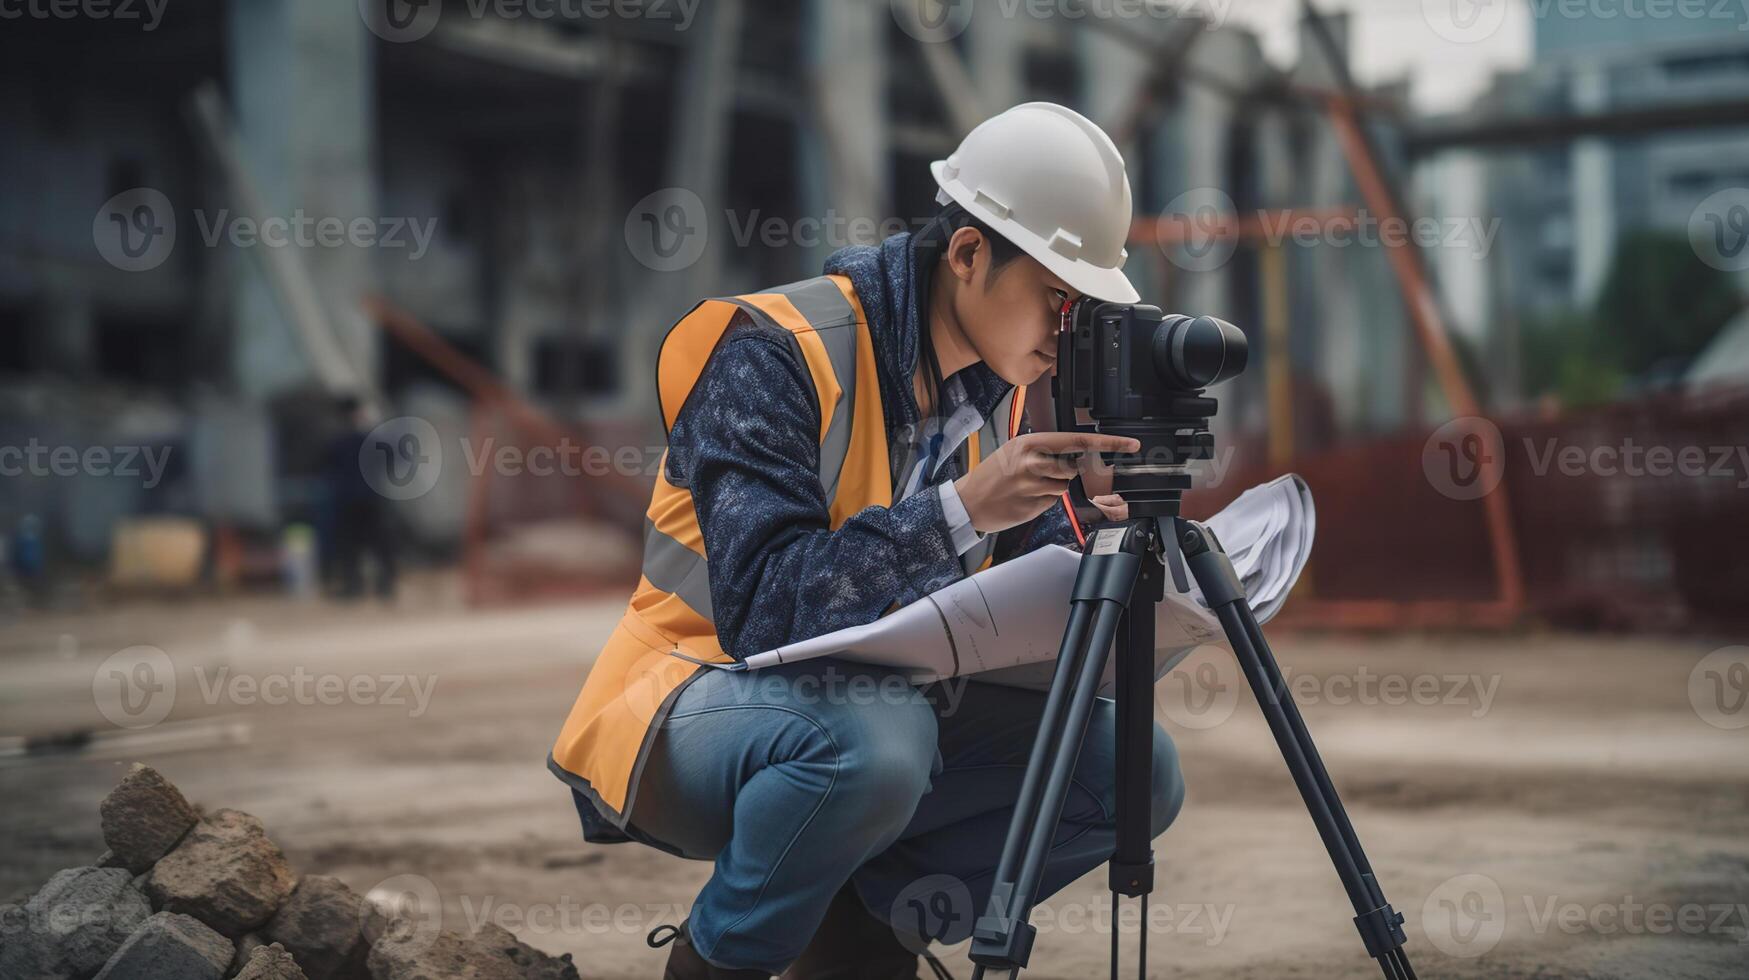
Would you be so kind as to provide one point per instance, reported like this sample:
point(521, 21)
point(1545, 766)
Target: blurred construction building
point(525, 143)
point(515, 165)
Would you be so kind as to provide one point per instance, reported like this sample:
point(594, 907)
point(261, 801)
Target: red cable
point(1074, 522)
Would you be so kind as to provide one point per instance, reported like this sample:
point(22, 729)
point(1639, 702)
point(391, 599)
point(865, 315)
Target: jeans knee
point(884, 770)
point(1168, 783)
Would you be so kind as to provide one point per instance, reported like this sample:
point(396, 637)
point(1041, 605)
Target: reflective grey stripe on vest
point(990, 438)
point(821, 303)
point(677, 569)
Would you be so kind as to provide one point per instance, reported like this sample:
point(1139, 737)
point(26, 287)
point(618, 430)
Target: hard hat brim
point(1088, 279)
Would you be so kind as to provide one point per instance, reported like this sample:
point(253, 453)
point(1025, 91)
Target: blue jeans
point(796, 779)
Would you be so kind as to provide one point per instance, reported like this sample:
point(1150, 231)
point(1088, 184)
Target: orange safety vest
point(667, 631)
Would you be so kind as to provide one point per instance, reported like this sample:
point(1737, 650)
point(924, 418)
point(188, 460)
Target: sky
point(1396, 37)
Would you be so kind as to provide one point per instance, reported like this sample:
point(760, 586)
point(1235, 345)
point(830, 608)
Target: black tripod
point(1124, 565)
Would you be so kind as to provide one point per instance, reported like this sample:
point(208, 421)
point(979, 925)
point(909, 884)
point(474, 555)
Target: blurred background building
point(520, 198)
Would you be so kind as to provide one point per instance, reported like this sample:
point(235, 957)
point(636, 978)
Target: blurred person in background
point(362, 526)
point(839, 447)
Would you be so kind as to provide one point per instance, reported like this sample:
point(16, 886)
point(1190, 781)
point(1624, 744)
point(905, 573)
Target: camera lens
point(1195, 352)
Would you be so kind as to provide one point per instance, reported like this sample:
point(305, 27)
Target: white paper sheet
point(1005, 624)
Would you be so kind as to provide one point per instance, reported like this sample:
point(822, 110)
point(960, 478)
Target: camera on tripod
point(1132, 370)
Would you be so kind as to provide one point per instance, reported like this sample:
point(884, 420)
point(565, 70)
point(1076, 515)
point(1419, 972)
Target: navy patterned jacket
point(747, 444)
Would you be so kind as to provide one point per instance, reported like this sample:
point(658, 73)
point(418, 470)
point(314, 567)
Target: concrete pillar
point(845, 146)
point(302, 92)
point(1593, 196)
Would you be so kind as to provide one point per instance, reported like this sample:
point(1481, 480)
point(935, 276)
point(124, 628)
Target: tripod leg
point(1380, 926)
point(1049, 732)
point(1002, 937)
point(1131, 870)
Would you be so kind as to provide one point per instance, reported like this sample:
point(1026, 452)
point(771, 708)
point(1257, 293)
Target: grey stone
point(531, 963)
point(424, 954)
point(72, 925)
point(271, 962)
point(322, 924)
point(225, 873)
point(407, 953)
point(143, 818)
point(170, 946)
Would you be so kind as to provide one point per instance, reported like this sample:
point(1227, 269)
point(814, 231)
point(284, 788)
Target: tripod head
point(1130, 370)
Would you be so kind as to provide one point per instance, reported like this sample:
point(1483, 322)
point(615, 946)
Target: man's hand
point(1023, 478)
point(1096, 480)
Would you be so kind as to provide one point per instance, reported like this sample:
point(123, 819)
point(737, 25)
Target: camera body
point(1132, 370)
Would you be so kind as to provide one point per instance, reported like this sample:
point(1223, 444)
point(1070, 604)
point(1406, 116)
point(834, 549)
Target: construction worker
point(839, 447)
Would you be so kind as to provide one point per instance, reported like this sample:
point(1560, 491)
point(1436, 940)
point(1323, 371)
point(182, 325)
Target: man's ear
point(964, 251)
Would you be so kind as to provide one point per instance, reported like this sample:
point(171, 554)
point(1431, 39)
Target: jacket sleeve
point(746, 444)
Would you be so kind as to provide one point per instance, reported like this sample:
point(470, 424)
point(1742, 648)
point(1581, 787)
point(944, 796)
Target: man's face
point(1010, 315)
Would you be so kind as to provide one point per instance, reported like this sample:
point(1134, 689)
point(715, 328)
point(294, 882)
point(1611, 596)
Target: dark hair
point(932, 239)
point(952, 217)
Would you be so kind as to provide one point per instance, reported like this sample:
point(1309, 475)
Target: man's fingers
point(1063, 442)
point(1052, 467)
point(1102, 443)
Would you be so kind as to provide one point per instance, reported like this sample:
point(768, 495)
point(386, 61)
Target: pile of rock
point(182, 895)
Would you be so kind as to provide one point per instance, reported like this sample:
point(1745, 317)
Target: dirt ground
point(1537, 805)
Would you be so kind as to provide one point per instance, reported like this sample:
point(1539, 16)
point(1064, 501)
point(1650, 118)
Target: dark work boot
point(684, 963)
point(851, 944)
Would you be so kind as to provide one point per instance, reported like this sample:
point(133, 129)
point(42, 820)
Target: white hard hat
point(1047, 179)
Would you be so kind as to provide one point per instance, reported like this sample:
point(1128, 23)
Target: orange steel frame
point(1423, 309)
point(489, 395)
